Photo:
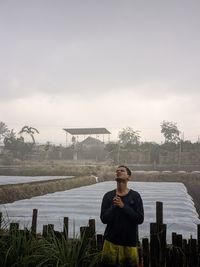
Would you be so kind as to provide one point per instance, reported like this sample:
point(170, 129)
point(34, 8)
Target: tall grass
point(63, 252)
point(19, 248)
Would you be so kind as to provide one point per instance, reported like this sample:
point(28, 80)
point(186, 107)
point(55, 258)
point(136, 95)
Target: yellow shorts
point(119, 255)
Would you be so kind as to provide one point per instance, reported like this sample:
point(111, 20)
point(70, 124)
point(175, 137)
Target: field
point(24, 248)
point(84, 176)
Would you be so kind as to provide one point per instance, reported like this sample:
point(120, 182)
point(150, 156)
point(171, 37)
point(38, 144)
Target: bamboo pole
point(198, 237)
point(66, 227)
point(154, 248)
point(44, 230)
point(99, 242)
point(1, 219)
point(34, 222)
point(159, 213)
point(145, 252)
point(92, 227)
point(193, 258)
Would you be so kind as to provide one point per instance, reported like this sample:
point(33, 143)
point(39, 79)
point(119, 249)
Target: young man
point(122, 211)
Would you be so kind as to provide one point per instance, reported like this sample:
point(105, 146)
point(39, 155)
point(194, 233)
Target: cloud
point(90, 48)
point(113, 110)
point(99, 64)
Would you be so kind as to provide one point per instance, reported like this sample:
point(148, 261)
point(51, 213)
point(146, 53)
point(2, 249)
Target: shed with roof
point(86, 132)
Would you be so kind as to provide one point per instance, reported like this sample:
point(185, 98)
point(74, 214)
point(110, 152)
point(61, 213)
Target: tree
point(17, 146)
point(111, 147)
point(3, 130)
point(154, 150)
point(29, 130)
point(170, 132)
point(12, 143)
point(129, 137)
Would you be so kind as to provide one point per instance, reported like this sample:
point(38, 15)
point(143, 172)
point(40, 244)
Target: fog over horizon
point(112, 64)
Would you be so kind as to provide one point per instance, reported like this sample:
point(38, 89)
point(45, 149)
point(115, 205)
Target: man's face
point(121, 174)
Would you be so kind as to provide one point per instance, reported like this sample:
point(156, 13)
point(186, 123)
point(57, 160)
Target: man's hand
point(117, 201)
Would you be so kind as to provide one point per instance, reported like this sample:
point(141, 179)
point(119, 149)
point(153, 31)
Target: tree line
point(127, 136)
point(128, 139)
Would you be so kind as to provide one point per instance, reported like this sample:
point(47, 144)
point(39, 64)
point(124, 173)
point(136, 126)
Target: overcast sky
point(100, 63)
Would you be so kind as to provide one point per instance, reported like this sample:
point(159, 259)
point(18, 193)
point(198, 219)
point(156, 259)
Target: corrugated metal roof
point(85, 131)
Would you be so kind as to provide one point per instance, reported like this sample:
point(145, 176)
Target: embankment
point(52, 169)
point(11, 193)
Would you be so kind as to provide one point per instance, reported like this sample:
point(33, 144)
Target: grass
point(51, 169)
point(19, 248)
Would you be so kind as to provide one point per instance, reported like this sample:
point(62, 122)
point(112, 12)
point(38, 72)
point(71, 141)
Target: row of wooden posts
point(154, 251)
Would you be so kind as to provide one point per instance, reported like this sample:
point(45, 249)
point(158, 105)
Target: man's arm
point(107, 209)
point(137, 213)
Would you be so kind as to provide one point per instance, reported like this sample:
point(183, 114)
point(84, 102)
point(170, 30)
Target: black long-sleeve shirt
point(122, 223)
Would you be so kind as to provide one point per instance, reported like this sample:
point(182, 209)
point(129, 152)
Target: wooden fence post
point(1, 219)
point(198, 243)
point(168, 257)
point(159, 213)
point(66, 227)
point(158, 238)
point(185, 251)
point(179, 244)
point(177, 251)
point(92, 231)
point(34, 222)
point(192, 259)
point(44, 230)
point(92, 227)
point(99, 242)
point(145, 252)
point(154, 246)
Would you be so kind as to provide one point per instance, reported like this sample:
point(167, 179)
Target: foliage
point(147, 145)
point(16, 249)
point(170, 132)
point(3, 130)
point(74, 252)
point(30, 131)
point(154, 149)
point(189, 146)
point(111, 147)
point(47, 146)
point(17, 146)
point(21, 249)
point(127, 137)
point(169, 146)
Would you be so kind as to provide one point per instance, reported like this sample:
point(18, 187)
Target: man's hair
point(127, 169)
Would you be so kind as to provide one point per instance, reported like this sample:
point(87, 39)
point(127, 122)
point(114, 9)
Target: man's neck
point(122, 189)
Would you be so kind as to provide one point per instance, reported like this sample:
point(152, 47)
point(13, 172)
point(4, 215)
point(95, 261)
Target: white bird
point(95, 177)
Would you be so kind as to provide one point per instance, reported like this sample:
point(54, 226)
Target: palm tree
point(29, 130)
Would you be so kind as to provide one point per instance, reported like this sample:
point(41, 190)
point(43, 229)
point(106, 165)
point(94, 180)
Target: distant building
point(91, 149)
point(90, 141)
point(84, 133)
